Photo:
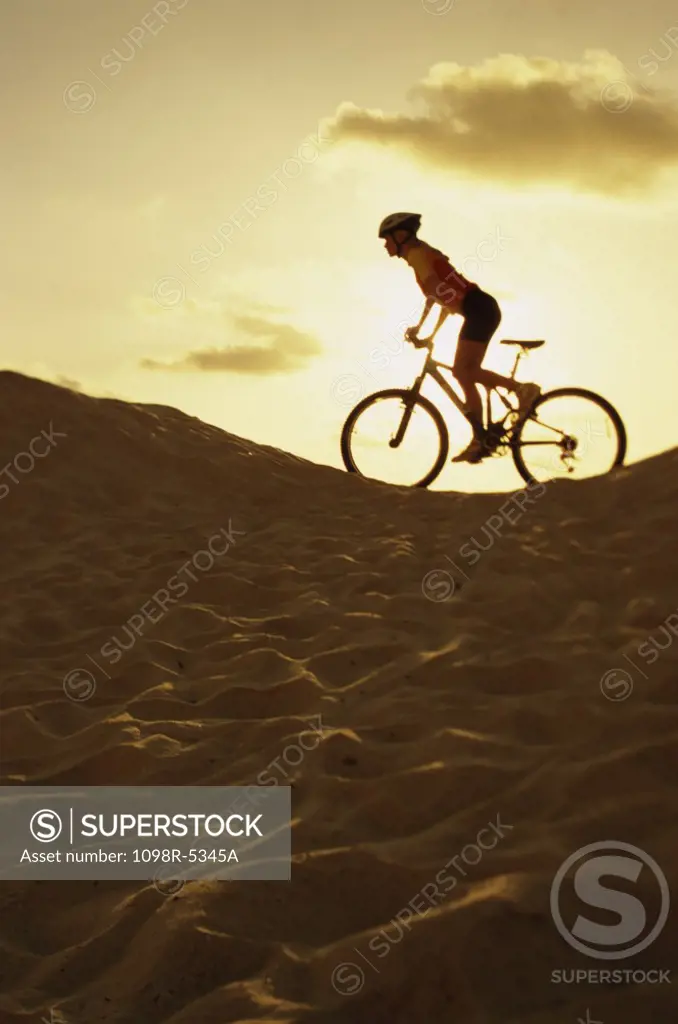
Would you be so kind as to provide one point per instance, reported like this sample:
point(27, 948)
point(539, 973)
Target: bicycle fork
point(408, 402)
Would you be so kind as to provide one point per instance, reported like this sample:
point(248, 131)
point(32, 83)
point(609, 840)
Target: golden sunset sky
point(191, 191)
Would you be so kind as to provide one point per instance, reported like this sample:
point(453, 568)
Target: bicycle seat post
point(519, 355)
point(524, 347)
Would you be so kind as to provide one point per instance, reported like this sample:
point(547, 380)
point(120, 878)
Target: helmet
point(400, 222)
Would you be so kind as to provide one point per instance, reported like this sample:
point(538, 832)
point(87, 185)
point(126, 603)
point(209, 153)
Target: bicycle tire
point(420, 400)
point(572, 393)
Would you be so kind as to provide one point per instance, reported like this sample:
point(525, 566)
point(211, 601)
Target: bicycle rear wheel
point(570, 432)
point(397, 437)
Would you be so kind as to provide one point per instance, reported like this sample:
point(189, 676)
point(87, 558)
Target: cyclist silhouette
point(444, 286)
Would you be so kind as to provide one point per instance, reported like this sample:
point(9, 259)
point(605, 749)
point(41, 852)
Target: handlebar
point(422, 342)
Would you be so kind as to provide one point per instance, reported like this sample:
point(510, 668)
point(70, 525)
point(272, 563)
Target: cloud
point(284, 350)
point(518, 120)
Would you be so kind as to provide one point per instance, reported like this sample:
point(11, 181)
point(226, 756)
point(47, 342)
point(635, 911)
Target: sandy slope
point(440, 716)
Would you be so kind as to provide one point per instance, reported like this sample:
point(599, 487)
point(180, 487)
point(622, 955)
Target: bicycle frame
point(431, 369)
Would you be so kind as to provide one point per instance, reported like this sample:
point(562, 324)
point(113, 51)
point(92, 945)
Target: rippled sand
point(475, 722)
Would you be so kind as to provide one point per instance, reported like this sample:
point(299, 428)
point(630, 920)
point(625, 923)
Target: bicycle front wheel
point(572, 433)
point(397, 437)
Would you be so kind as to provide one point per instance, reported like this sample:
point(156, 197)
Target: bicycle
point(511, 433)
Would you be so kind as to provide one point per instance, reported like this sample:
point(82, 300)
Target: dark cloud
point(282, 349)
point(517, 120)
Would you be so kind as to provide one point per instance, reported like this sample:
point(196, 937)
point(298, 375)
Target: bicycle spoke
point(543, 444)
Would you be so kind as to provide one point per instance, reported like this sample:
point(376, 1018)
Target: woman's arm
point(432, 290)
point(428, 306)
point(442, 317)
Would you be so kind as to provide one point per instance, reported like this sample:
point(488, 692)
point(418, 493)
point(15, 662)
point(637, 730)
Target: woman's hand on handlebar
point(411, 335)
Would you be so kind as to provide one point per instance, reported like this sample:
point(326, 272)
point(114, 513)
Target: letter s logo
point(45, 826)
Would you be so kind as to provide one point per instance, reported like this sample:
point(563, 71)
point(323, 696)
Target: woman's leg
point(482, 317)
point(466, 366)
point(526, 393)
point(490, 379)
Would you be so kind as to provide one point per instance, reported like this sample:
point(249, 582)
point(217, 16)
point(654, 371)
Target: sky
point(191, 192)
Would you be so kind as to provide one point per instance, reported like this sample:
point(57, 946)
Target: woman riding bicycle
point(444, 286)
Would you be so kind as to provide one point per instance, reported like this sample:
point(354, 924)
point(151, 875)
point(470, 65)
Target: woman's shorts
point(481, 315)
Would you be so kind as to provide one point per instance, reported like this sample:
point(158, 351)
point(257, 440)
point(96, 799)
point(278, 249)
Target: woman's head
point(398, 229)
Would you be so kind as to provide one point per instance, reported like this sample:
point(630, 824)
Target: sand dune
point(451, 676)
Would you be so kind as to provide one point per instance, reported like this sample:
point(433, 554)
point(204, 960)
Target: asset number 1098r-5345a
point(173, 856)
